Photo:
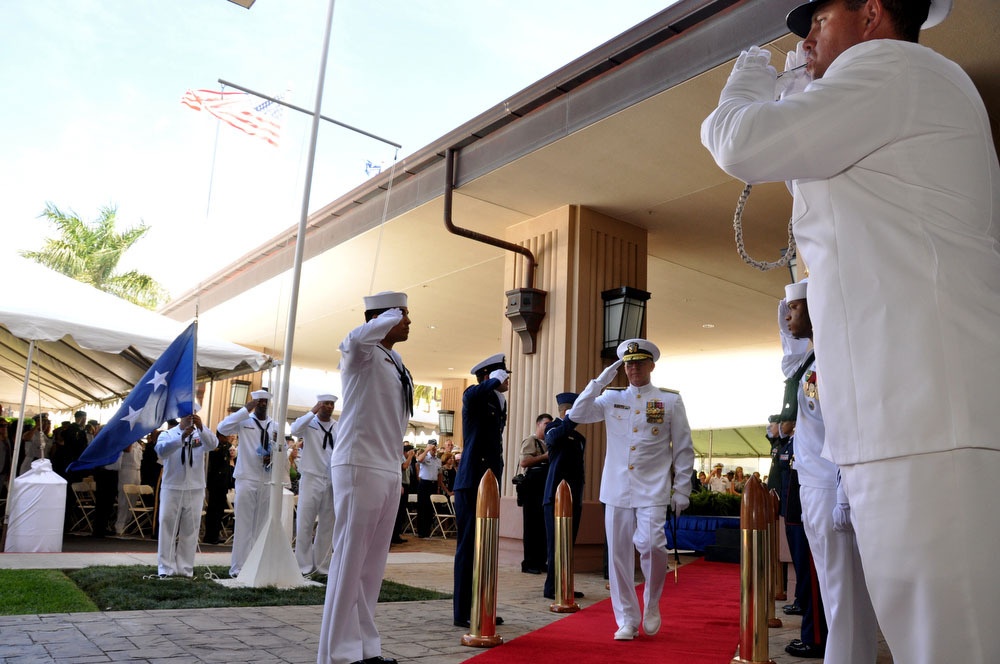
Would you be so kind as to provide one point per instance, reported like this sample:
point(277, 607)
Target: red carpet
point(701, 622)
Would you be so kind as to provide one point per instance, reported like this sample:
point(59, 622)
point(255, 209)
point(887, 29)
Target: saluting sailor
point(649, 455)
point(318, 431)
point(365, 470)
point(256, 432)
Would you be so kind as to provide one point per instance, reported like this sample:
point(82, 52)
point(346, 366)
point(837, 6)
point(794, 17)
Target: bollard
point(483, 621)
point(755, 514)
point(779, 578)
point(563, 512)
point(773, 620)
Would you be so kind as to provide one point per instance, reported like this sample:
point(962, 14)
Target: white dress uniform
point(897, 213)
point(128, 473)
point(649, 452)
point(182, 496)
point(366, 481)
point(315, 506)
point(252, 492)
point(850, 617)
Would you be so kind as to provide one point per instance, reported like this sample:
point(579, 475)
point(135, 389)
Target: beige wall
point(579, 253)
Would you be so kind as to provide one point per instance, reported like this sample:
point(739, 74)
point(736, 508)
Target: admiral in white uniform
point(649, 454)
point(318, 431)
point(850, 618)
point(378, 402)
point(257, 433)
point(182, 451)
point(896, 211)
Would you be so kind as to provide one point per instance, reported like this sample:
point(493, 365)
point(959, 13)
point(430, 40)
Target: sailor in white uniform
point(378, 402)
point(318, 431)
point(257, 435)
point(647, 467)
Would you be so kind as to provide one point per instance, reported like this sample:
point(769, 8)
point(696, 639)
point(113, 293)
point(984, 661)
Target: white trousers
point(250, 507)
point(631, 529)
point(312, 552)
point(365, 501)
point(180, 520)
point(850, 617)
point(929, 535)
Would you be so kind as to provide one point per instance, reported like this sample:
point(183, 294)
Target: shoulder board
point(667, 389)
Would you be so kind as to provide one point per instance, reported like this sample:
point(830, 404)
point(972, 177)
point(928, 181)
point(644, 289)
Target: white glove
point(679, 502)
point(754, 58)
point(794, 82)
point(842, 511)
point(783, 312)
point(609, 374)
point(500, 374)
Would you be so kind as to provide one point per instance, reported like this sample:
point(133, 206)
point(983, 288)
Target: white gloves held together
point(756, 61)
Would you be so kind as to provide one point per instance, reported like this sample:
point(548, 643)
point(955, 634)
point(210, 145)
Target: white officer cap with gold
point(498, 361)
point(385, 300)
point(796, 291)
point(320, 398)
point(634, 350)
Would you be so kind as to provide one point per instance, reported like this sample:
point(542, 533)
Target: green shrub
point(708, 503)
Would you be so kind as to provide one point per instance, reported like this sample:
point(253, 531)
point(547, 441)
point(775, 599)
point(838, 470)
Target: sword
point(672, 518)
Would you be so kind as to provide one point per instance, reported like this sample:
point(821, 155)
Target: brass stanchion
point(755, 515)
point(563, 512)
point(483, 621)
point(773, 620)
point(779, 578)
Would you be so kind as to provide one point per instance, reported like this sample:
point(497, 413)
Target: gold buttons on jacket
point(632, 448)
point(635, 429)
point(630, 467)
point(637, 411)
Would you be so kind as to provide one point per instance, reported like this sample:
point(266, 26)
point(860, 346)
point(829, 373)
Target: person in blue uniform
point(484, 416)
point(565, 445)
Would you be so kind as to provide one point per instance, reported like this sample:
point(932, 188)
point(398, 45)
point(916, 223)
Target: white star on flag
point(159, 379)
point(132, 417)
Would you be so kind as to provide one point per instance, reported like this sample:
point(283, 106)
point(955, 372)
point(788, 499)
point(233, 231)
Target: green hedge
point(707, 503)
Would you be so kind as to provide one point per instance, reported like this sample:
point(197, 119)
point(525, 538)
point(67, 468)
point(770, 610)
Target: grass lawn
point(130, 588)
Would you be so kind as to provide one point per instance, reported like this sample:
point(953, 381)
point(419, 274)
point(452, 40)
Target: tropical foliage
point(90, 252)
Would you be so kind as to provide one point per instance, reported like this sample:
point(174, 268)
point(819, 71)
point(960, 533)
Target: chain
point(763, 266)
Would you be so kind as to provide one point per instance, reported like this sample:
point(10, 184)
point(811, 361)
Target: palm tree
point(89, 252)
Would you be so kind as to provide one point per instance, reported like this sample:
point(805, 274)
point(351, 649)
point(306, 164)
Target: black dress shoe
point(805, 650)
point(792, 610)
point(398, 540)
point(577, 594)
point(530, 570)
point(549, 595)
point(380, 660)
point(466, 623)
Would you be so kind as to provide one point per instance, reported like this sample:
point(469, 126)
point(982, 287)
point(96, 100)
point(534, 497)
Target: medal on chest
point(809, 387)
point(654, 412)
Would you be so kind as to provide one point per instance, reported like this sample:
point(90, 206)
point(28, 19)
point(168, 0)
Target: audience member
point(534, 463)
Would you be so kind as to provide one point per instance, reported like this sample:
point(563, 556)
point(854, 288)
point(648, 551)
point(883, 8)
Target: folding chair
point(444, 513)
point(86, 503)
point(229, 517)
point(411, 514)
point(140, 506)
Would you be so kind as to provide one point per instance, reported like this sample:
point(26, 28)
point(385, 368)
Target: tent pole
point(711, 440)
point(16, 447)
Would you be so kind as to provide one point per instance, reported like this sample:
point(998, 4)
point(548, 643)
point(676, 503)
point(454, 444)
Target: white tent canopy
point(90, 346)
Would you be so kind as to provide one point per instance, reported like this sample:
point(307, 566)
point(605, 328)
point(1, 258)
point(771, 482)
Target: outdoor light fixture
point(624, 316)
point(446, 422)
point(793, 264)
point(239, 394)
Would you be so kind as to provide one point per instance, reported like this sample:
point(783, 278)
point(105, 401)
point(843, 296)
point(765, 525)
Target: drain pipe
point(525, 306)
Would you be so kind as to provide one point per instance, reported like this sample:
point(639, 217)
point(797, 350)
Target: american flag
point(250, 114)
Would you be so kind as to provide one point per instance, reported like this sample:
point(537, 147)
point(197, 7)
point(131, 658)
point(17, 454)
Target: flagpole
point(254, 573)
point(16, 446)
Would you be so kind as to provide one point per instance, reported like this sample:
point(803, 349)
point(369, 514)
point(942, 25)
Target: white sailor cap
point(260, 394)
point(796, 291)
point(385, 300)
point(325, 397)
point(498, 361)
point(638, 349)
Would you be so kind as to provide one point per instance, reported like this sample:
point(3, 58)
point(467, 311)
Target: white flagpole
point(271, 561)
point(17, 444)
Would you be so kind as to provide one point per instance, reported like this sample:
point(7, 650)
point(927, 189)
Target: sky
point(93, 116)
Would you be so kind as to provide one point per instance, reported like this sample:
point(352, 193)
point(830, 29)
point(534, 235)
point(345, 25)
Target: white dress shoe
point(651, 621)
point(626, 633)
